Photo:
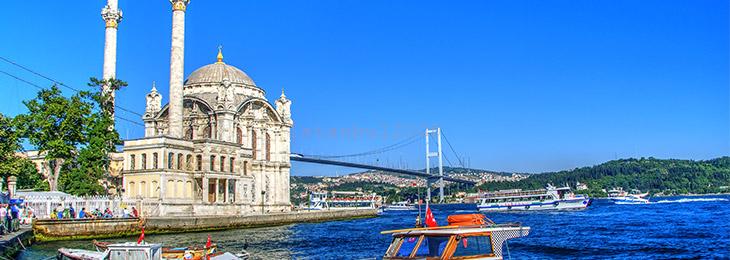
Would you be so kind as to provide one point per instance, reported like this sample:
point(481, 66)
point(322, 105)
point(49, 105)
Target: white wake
point(692, 200)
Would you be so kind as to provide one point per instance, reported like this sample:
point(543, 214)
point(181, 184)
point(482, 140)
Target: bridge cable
point(452, 149)
point(398, 145)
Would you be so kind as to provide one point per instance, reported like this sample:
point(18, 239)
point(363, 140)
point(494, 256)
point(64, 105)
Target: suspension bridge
point(431, 178)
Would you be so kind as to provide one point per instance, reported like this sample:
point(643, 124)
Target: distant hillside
point(646, 174)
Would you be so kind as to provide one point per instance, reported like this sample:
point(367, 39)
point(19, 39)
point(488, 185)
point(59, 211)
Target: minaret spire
point(111, 16)
point(177, 62)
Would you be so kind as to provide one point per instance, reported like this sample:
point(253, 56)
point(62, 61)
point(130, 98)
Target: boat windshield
point(418, 246)
point(432, 246)
point(473, 246)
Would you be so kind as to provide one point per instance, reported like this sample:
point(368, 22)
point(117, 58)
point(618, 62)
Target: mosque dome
point(217, 72)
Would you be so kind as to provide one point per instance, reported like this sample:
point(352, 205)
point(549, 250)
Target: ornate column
point(111, 16)
point(177, 62)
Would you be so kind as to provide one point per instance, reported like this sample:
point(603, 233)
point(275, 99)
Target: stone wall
point(177, 224)
point(48, 230)
point(70, 229)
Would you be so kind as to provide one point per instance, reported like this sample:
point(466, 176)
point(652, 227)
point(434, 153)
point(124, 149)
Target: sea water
point(668, 228)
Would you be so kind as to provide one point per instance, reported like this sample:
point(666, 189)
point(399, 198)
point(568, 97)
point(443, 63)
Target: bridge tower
point(429, 155)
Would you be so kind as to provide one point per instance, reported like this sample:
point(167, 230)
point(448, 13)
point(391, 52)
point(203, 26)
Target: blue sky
point(526, 86)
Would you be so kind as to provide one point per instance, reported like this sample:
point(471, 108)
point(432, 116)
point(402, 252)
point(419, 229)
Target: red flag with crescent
point(430, 220)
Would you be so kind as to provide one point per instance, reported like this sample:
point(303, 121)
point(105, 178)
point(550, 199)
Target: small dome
point(216, 72)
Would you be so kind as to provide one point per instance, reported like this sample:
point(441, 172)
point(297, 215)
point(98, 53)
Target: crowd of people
point(69, 212)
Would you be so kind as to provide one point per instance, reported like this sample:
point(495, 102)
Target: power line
point(58, 82)
point(42, 88)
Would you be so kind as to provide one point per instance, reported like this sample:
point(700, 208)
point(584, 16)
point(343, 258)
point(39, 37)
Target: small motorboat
point(194, 252)
point(621, 197)
point(400, 206)
point(469, 236)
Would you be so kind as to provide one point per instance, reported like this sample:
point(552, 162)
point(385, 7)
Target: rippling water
point(670, 228)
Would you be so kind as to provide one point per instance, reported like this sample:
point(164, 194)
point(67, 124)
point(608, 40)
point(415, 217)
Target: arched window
point(154, 160)
point(132, 189)
point(268, 147)
point(143, 189)
point(199, 158)
point(253, 144)
point(144, 161)
point(239, 135)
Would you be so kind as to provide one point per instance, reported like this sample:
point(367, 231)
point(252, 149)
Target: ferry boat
point(619, 196)
point(400, 206)
point(470, 236)
point(342, 200)
point(550, 198)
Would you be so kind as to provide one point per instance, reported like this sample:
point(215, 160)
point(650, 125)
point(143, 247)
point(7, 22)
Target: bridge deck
point(299, 158)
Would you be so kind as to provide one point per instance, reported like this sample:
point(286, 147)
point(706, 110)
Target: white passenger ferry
point(400, 206)
point(550, 198)
point(340, 200)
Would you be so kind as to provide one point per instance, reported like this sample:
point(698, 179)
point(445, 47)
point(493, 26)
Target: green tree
point(92, 162)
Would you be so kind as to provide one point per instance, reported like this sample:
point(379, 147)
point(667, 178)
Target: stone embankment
point(49, 230)
point(12, 243)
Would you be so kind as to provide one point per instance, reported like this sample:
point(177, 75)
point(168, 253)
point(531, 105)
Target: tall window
point(189, 162)
point(223, 164)
point(268, 147)
point(212, 163)
point(154, 160)
point(239, 135)
point(144, 161)
point(245, 167)
point(170, 160)
point(131, 162)
point(199, 158)
point(231, 164)
point(179, 161)
point(253, 143)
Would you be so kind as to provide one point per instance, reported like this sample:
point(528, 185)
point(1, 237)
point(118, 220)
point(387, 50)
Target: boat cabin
point(456, 241)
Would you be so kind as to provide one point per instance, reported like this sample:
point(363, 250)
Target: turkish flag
point(208, 244)
point(430, 220)
point(141, 237)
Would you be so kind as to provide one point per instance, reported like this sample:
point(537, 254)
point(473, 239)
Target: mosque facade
point(219, 147)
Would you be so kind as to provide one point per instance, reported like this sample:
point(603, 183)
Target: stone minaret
point(177, 62)
point(112, 16)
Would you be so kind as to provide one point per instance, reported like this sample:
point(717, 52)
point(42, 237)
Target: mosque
point(219, 147)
